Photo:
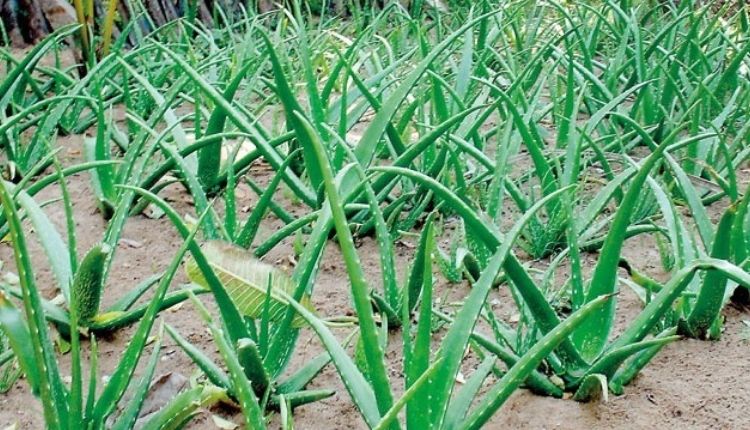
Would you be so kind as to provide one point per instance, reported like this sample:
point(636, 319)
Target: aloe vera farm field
point(374, 214)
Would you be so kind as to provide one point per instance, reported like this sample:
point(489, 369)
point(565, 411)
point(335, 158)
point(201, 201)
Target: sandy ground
point(691, 384)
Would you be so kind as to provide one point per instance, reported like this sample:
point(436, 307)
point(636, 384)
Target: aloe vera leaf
point(415, 150)
point(591, 336)
point(299, 398)
point(332, 80)
point(207, 366)
point(631, 368)
point(385, 246)
point(175, 414)
point(282, 344)
point(250, 228)
point(270, 154)
point(29, 62)
point(6, 357)
point(417, 416)
point(245, 278)
point(279, 211)
point(707, 306)
point(574, 251)
point(705, 229)
point(568, 135)
point(104, 175)
point(366, 147)
point(299, 380)
point(661, 302)
point(360, 290)
point(464, 70)
point(529, 361)
point(209, 157)
point(185, 165)
point(41, 183)
point(70, 223)
point(20, 116)
point(461, 403)
point(595, 206)
point(15, 328)
point(279, 352)
point(422, 258)
point(125, 302)
point(49, 237)
point(535, 146)
point(538, 305)
point(51, 389)
point(230, 315)
point(356, 384)
point(684, 248)
point(421, 384)
point(457, 338)
point(311, 82)
point(167, 113)
point(537, 381)
point(51, 120)
point(730, 71)
point(740, 238)
point(264, 320)
point(588, 387)
point(610, 361)
point(88, 410)
point(107, 322)
point(350, 101)
point(89, 282)
point(158, 172)
point(285, 413)
point(285, 232)
point(252, 364)
point(383, 237)
point(641, 279)
point(123, 373)
point(293, 109)
point(392, 133)
point(129, 415)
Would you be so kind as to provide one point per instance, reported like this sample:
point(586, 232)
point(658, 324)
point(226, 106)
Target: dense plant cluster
point(513, 131)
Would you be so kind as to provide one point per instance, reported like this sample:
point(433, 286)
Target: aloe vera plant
point(64, 406)
point(248, 379)
point(700, 317)
point(86, 278)
point(23, 99)
point(505, 143)
point(248, 290)
point(417, 350)
point(590, 353)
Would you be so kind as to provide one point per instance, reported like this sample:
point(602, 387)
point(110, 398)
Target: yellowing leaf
point(246, 280)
